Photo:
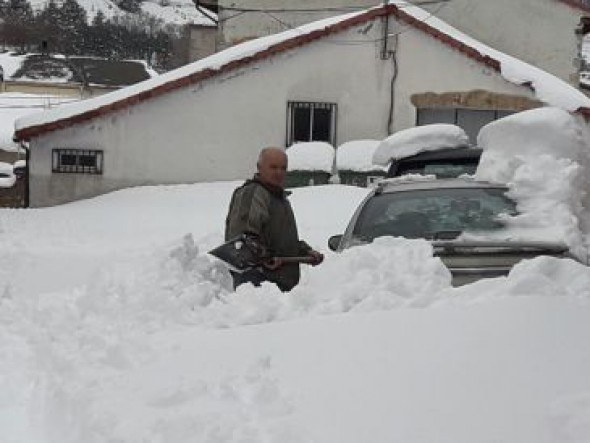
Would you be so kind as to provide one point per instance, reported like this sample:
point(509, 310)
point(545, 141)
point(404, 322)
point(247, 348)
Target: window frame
point(59, 166)
point(294, 104)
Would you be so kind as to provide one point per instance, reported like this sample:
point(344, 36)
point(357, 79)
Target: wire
point(307, 10)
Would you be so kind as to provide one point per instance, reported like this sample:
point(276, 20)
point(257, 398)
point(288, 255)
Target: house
point(74, 76)
point(334, 80)
point(545, 33)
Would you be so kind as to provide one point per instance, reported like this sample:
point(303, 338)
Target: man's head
point(272, 166)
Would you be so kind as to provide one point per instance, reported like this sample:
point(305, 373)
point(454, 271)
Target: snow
point(113, 333)
point(357, 155)
point(10, 63)
point(10, 179)
point(543, 156)
point(14, 105)
point(311, 156)
point(418, 139)
point(177, 13)
point(547, 87)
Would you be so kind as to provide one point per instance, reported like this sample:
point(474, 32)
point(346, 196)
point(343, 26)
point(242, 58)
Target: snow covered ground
point(117, 326)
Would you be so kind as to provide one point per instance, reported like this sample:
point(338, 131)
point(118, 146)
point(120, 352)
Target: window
point(471, 120)
point(81, 161)
point(311, 121)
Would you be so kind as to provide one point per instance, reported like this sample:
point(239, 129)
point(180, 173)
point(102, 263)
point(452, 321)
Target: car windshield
point(441, 168)
point(433, 213)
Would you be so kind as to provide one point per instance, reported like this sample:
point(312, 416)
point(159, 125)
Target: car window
point(433, 213)
point(441, 169)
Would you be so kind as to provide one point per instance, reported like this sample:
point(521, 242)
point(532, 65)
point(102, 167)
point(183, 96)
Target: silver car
point(441, 211)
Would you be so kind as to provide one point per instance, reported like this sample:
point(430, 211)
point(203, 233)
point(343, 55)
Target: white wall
point(214, 130)
point(235, 27)
point(540, 32)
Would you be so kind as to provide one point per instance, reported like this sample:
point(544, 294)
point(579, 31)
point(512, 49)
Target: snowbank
point(142, 340)
point(311, 156)
point(414, 140)
point(9, 180)
point(357, 155)
point(543, 156)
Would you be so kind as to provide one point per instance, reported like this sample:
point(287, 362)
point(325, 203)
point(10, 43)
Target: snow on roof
point(542, 156)
point(14, 105)
point(412, 141)
point(311, 156)
point(547, 87)
point(357, 155)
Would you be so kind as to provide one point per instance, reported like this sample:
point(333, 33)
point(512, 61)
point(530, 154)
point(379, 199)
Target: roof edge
point(27, 133)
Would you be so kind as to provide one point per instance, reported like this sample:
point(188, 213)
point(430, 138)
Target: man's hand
point(273, 263)
point(316, 256)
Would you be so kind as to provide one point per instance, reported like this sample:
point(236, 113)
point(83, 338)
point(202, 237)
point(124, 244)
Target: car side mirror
point(334, 242)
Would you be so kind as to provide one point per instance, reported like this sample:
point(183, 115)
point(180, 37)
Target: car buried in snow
point(458, 216)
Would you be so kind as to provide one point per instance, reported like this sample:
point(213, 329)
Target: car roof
point(417, 182)
point(444, 154)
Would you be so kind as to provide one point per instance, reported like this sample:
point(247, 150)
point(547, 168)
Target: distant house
point(70, 76)
point(334, 80)
point(546, 33)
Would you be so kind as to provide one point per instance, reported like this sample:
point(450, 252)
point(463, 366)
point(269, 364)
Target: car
point(442, 163)
point(458, 216)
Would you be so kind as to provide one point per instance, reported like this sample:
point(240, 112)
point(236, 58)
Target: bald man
point(260, 208)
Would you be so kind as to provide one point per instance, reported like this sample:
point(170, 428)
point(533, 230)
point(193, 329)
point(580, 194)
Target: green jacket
point(263, 210)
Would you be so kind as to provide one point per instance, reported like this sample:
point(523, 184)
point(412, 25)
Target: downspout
point(27, 150)
point(390, 52)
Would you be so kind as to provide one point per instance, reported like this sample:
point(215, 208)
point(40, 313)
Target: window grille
point(311, 121)
point(77, 161)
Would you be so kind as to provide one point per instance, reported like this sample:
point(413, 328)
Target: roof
point(411, 183)
point(83, 70)
point(578, 4)
point(249, 52)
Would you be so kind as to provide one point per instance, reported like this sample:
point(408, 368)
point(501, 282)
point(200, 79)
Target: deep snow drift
point(116, 325)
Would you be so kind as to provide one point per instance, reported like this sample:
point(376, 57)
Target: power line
point(308, 10)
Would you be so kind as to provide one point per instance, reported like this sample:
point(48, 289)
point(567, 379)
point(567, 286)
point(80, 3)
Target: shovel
point(245, 252)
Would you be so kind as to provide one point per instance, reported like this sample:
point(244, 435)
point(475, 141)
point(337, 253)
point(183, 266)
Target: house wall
point(236, 27)
point(202, 41)
point(215, 129)
point(55, 89)
point(541, 32)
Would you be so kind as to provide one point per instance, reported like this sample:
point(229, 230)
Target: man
point(260, 208)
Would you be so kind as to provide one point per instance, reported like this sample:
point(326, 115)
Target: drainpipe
point(24, 146)
point(389, 52)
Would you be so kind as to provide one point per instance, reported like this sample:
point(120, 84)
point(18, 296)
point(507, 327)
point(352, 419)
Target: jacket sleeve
point(304, 248)
point(248, 213)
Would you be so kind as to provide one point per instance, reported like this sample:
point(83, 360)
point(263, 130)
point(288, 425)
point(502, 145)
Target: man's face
point(272, 167)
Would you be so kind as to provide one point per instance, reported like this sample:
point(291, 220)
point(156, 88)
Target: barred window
point(79, 161)
point(311, 121)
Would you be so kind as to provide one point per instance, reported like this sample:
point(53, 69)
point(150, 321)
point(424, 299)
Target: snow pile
point(311, 156)
point(357, 155)
point(142, 340)
point(14, 105)
point(543, 156)
point(412, 141)
point(7, 177)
